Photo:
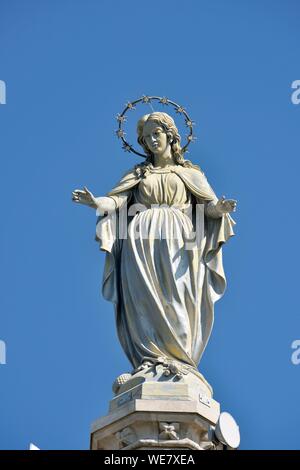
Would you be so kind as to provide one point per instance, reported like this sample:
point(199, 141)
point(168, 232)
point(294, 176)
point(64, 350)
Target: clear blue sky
point(69, 67)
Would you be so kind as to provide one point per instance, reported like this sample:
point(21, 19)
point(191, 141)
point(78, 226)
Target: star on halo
point(126, 147)
point(130, 105)
point(163, 100)
point(191, 138)
point(120, 133)
point(180, 109)
point(146, 99)
point(189, 123)
point(121, 118)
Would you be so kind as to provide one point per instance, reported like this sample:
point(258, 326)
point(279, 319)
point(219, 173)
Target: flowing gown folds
point(163, 286)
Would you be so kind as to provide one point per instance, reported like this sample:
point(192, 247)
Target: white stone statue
point(163, 285)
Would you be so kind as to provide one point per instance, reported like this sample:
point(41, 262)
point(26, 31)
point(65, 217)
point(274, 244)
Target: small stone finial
point(122, 379)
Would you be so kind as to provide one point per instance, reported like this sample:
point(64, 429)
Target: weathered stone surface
point(158, 415)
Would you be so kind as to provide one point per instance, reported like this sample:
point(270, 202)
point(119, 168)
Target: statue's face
point(155, 137)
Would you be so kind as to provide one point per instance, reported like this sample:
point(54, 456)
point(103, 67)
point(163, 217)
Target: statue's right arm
point(102, 204)
point(86, 197)
point(105, 204)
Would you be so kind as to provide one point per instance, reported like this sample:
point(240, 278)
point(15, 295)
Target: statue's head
point(157, 131)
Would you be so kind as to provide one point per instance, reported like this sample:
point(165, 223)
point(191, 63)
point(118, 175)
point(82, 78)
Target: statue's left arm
point(198, 185)
point(216, 208)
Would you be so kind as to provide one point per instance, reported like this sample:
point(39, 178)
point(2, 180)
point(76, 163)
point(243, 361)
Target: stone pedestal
point(161, 414)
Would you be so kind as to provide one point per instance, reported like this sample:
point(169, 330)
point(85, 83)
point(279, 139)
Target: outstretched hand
point(84, 197)
point(224, 206)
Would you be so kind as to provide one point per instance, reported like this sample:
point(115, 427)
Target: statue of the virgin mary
point(164, 272)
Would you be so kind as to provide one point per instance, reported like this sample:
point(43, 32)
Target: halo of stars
point(131, 106)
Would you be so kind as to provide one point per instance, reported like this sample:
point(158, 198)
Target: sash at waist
point(143, 207)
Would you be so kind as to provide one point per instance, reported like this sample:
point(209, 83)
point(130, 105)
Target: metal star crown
point(130, 106)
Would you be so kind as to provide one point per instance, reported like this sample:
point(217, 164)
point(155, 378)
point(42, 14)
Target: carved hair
point(168, 125)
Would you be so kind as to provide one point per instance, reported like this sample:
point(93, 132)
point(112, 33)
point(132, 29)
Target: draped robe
point(163, 289)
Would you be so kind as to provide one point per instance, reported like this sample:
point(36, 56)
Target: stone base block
point(158, 415)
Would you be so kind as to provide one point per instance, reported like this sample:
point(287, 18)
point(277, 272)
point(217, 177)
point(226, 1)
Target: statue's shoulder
point(131, 173)
point(127, 181)
point(196, 181)
point(190, 171)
